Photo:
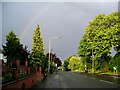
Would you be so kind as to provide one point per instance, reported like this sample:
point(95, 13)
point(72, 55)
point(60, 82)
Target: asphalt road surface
point(64, 79)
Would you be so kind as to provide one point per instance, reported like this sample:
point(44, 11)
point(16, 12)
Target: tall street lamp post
point(50, 51)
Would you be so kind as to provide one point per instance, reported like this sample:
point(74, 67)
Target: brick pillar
point(39, 73)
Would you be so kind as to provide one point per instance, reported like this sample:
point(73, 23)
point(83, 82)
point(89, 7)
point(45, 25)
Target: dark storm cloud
point(65, 19)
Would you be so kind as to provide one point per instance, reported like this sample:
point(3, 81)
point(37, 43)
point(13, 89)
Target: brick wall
point(39, 74)
point(21, 84)
point(24, 83)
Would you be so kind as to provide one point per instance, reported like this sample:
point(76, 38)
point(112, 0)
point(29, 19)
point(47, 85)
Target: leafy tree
point(74, 63)
point(54, 58)
point(24, 55)
point(44, 63)
point(37, 45)
point(12, 49)
point(101, 34)
point(53, 61)
point(66, 63)
point(115, 62)
point(57, 61)
point(116, 33)
point(37, 48)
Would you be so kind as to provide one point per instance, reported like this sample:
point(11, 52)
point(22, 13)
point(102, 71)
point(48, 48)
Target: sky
point(56, 19)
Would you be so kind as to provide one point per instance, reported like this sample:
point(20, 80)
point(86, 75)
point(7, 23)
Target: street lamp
point(50, 51)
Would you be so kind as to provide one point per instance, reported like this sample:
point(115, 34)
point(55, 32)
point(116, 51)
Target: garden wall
point(23, 83)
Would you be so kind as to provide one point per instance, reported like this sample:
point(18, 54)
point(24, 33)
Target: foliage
point(101, 34)
point(66, 63)
point(21, 75)
point(37, 48)
point(24, 55)
point(8, 76)
point(36, 59)
point(57, 61)
point(12, 48)
point(52, 66)
point(116, 35)
point(54, 58)
point(74, 63)
point(37, 45)
point(44, 64)
point(115, 62)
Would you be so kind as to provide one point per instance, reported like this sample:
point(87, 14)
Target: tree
point(115, 62)
point(101, 34)
point(58, 62)
point(44, 64)
point(12, 49)
point(74, 63)
point(66, 63)
point(37, 45)
point(37, 48)
point(24, 55)
point(116, 33)
point(54, 58)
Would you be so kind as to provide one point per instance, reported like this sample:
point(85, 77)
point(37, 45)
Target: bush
point(7, 78)
point(21, 75)
point(76, 70)
point(115, 62)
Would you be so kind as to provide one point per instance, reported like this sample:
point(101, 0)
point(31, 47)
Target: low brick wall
point(24, 83)
point(21, 84)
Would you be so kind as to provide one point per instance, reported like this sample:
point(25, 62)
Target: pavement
point(65, 79)
point(52, 81)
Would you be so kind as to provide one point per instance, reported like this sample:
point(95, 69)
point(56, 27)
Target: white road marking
point(56, 76)
point(93, 78)
point(107, 81)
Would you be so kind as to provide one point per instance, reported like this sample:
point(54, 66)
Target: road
point(65, 79)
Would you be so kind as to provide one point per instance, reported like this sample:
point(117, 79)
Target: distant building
point(3, 67)
point(2, 57)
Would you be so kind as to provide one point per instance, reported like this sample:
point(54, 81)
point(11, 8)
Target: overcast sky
point(64, 19)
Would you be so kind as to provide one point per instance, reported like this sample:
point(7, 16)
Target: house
point(3, 66)
point(2, 57)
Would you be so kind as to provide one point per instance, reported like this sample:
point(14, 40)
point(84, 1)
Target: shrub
point(21, 75)
point(8, 76)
